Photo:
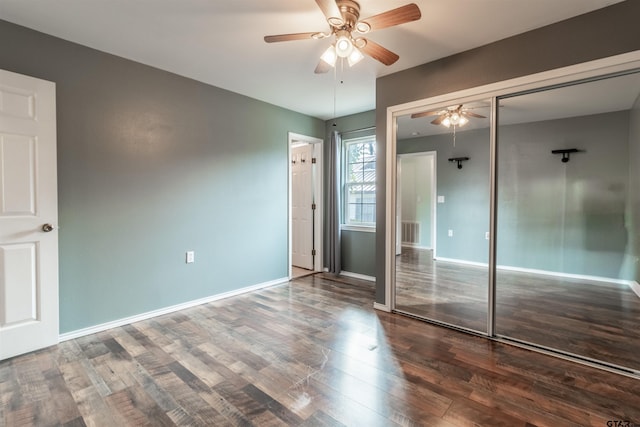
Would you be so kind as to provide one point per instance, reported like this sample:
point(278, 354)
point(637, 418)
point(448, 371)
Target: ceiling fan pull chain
point(335, 84)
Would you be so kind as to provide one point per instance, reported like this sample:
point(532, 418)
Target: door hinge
point(313, 206)
point(313, 252)
point(313, 160)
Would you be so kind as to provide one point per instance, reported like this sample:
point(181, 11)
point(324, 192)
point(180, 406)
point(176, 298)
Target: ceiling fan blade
point(331, 11)
point(379, 53)
point(289, 37)
point(424, 114)
point(407, 13)
point(438, 120)
point(322, 67)
point(470, 114)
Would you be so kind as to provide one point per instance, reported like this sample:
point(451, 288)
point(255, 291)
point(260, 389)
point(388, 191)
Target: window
point(360, 181)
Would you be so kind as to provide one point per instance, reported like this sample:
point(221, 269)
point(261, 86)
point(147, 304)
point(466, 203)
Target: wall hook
point(459, 160)
point(566, 153)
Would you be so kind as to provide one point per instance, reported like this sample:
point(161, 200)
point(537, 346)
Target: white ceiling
point(221, 42)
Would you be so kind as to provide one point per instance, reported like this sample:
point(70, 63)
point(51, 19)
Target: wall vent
point(411, 232)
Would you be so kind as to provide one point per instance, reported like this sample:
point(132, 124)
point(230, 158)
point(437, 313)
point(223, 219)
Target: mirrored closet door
point(442, 214)
point(568, 219)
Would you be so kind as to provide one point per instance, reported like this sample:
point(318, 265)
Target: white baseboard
point(635, 287)
point(381, 307)
point(415, 246)
point(462, 261)
point(564, 275)
point(358, 276)
point(154, 313)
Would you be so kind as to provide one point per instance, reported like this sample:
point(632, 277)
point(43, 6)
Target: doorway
point(416, 199)
point(305, 205)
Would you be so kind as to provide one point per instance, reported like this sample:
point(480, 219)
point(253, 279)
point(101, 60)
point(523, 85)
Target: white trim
point(416, 246)
point(603, 66)
point(461, 261)
point(296, 139)
point(360, 228)
point(358, 276)
point(381, 307)
point(167, 310)
point(564, 275)
point(635, 287)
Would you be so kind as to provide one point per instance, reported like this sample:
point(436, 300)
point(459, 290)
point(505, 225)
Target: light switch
point(191, 257)
point(450, 233)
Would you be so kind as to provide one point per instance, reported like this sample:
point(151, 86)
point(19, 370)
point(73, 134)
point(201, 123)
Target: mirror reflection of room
point(567, 219)
point(443, 214)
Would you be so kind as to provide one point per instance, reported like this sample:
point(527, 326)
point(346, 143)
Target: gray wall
point(602, 33)
point(564, 217)
point(552, 216)
point(358, 249)
point(150, 165)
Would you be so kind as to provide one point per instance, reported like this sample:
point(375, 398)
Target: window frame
point(346, 184)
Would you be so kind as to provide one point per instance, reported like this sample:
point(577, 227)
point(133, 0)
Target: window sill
point(361, 228)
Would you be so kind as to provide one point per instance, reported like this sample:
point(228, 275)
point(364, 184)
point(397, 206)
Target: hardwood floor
point(591, 319)
point(312, 352)
point(297, 272)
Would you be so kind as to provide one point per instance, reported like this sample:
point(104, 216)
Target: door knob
point(47, 228)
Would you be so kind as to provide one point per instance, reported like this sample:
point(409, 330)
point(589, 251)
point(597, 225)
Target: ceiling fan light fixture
point(446, 122)
point(344, 47)
point(334, 21)
point(329, 56)
point(354, 57)
point(363, 27)
point(463, 121)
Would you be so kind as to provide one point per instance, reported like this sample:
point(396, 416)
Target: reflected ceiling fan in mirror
point(343, 17)
point(455, 115)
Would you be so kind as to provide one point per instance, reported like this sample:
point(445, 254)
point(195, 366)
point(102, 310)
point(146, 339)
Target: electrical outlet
point(486, 235)
point(440, 199)
point(191, 257)
point(450, 233)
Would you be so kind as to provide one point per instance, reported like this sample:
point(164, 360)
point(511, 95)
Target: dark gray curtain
point(333, 222)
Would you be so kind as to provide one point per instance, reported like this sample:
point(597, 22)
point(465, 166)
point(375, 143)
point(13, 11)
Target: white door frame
point(318, 191)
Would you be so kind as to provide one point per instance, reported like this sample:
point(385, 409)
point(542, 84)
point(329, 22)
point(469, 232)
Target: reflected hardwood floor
point(312, 352)
point(593, 319)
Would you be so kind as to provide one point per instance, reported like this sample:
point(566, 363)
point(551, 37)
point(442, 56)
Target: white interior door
point(301, 206)
point(28, 208)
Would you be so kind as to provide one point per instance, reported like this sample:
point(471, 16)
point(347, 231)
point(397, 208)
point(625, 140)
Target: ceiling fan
point(343, 17)
point(455, 115)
